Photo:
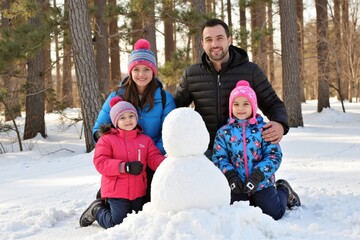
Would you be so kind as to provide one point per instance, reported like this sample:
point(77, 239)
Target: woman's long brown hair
point(131, 93)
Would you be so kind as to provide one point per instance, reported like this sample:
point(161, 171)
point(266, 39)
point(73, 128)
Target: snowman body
point(186, 178)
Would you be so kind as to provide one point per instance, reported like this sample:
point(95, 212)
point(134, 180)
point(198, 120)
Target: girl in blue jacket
point(145, 92)
point(247, 160)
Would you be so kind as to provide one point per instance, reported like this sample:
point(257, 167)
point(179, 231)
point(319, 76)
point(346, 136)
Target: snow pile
point(47, 187)
point(238, 221)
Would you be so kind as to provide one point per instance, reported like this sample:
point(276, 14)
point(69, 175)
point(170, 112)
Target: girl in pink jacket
point(121, 156)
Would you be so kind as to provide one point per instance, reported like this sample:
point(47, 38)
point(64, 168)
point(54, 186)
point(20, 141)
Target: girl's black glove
point(234, 181)
point(134, 168)
point(253, 182)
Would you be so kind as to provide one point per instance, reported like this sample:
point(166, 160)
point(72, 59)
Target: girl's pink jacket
point(119, 146)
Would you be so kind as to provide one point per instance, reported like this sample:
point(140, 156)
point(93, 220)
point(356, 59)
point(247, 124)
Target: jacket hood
point(104, 128)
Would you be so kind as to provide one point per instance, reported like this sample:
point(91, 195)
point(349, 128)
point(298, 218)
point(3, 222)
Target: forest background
point(71, 53)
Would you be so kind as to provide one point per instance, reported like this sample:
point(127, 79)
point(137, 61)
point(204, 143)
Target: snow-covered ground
point(45, 188)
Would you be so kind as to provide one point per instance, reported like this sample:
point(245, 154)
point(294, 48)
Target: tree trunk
point(102, 48)
point(143, 22)
point(136, 21)
point(199, 8)
point(222, 10)
point(68, 99)
point(67, 85)
point(243, 28)
point(85, 67)
point(149, 26)
point(13, 109)
point(290, 62)
point(270, 46)
point(114, 49)
point(58, 85)
point(322, 49)
point(254, 29)
point(346, 39)
point(170, 47)
point(209, 6)
point(336, 50)
point(300, 28)
point(35, 97)
point(229, 13)
point(258, 45)
point(35, 92)
point(50, 96)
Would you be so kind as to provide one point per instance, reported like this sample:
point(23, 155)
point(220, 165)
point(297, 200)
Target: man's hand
point(273, 132)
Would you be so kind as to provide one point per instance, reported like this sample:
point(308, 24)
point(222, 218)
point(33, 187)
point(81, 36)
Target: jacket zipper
point(245, 149)
point(219, 99)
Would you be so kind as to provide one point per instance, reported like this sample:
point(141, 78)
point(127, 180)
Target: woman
point(145, 92)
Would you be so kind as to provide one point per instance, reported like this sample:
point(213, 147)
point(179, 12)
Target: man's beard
point(218, 57)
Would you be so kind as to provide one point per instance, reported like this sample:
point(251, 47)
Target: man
point(208, 84)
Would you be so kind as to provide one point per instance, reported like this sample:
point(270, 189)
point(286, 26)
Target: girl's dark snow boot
point(88, 216)
point(293, 200)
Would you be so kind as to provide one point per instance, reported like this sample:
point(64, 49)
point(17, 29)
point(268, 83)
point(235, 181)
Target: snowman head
point(184, 133)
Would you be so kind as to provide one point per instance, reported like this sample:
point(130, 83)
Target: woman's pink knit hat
point(142, 55)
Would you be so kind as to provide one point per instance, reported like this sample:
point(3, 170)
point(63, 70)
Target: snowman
point(186, 178)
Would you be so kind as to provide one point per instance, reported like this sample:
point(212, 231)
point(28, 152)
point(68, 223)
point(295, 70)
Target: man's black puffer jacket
point(210, 90)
